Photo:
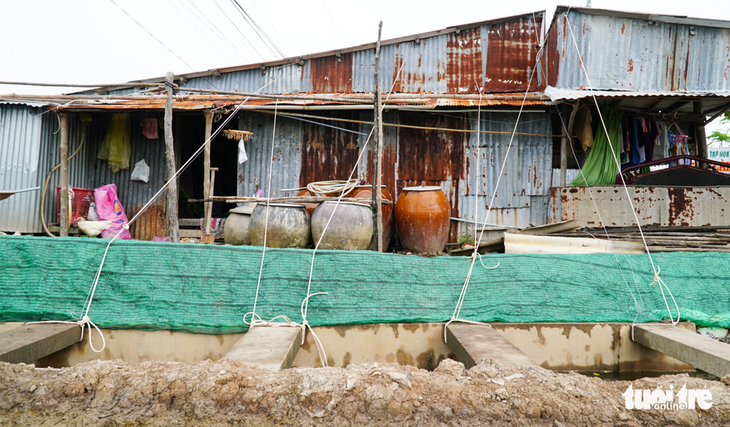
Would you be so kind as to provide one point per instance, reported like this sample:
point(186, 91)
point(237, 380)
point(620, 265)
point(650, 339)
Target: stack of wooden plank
point(664, 239)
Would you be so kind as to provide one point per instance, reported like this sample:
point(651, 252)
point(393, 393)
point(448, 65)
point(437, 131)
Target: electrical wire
point(268, 42)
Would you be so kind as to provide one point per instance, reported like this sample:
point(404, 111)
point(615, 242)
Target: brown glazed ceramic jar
point(309, 206)
point(366, 191)
point(423, 216)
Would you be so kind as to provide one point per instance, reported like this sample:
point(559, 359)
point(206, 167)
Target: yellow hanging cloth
point(116, 147)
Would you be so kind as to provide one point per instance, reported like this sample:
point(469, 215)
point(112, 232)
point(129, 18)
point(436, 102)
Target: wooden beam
point(700, 137)
point(267, 347)
point(173, 229)
point(473, 343)
point(206, 168)
point(26, 344)
point(63, 197)
point(690, 347)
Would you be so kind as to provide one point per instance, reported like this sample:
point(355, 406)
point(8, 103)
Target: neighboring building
point(439, 89)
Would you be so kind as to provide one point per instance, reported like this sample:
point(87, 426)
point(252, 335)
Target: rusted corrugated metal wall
point(644, 55)
point(132, 194)
point(306, 152)
point(20, 129)
point(78, 170)
point(497, 55)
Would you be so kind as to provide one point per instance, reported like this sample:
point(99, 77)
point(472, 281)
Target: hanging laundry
point(242, 157)
point(149, 128)
point(116, 148)
point(582, 127)
point(600, 168)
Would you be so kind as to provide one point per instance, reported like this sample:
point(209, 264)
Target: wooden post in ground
point(173, 229)
point(378, 157)
point(206, 170)
point(63, 197)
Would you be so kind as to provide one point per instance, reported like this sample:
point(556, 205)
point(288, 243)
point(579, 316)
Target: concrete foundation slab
point(25, 344)
point(267, 347)
point(473, 343)
point(698, 350)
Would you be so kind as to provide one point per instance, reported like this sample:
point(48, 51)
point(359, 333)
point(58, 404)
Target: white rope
point(639, 307)
point(321, 188)
point(462, 296)
point(657, 279)
point(90, 296)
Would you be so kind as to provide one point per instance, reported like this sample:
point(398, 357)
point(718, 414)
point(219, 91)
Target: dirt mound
point(114, 393)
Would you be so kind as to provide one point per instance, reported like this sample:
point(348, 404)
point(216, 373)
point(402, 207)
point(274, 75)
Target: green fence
point(208, 289)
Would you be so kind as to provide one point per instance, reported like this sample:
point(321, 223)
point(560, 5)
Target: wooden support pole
point(206, 168)
point(378, 157)
point(63, 198)
point(700, 137)
point(173, 229)
point(565, 143)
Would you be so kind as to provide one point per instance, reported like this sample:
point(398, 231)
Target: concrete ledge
point(699, 351)
point(267, 347)
point(25, 344)
point(473, 343)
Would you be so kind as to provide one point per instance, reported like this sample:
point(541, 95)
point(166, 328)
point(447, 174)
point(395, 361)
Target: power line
point(268, 42)
point(333, 22)
point(153, 36)
point(202, 33)
point(238, 29)
point(291, 49)
point(216, 31)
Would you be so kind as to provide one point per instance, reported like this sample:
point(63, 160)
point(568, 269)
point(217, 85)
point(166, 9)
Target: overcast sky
point(115, 41)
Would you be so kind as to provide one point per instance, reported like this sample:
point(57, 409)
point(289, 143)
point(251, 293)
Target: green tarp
point(208, 289)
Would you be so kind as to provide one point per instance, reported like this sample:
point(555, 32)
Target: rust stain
point(327, 153)
point(464, 61)
point(331, 74)
point(623, 28)
point(680, 207)
point(631, 65)
point(510, 51)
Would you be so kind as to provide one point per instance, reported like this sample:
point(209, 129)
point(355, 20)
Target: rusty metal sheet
point(331, 74)
point(655, 206)
point(627, 52)
point(511, 54)
point(327, 153)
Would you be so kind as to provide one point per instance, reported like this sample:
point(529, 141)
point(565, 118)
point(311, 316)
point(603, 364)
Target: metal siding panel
point(527, 172)
point(655, 206)
point(286, 166)
point(78, 170)
point(631, 54)
point(19, 155)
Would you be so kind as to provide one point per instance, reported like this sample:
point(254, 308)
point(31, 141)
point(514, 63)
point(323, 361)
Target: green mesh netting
point(600, 167)
point(205, 288)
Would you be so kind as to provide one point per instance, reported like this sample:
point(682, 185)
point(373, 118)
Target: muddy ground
point(114, 393)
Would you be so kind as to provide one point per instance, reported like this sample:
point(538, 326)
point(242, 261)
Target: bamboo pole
point(173, 229)
point(378, 157)
point(63, 198)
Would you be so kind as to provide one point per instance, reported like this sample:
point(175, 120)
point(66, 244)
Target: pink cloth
point(149, 128)
point(109, 208)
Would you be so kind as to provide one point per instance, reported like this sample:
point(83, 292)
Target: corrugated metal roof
point(636, 52)
point(497, 55)
point(558, 94)
point(26, 103)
